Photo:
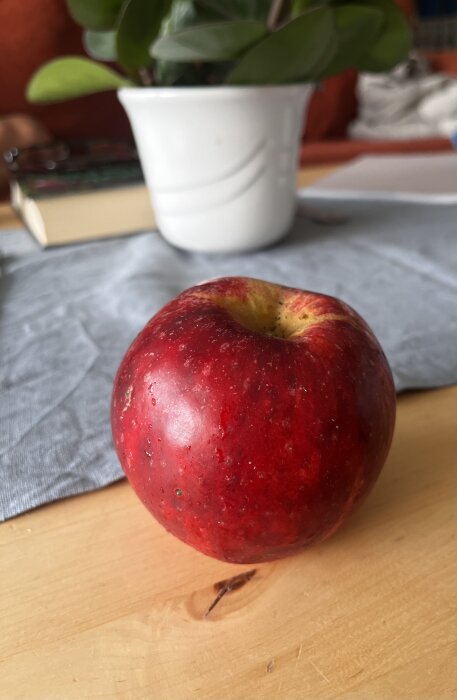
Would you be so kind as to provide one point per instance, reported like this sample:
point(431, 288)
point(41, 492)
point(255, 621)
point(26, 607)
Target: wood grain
point(311, 174)
point(99, 602)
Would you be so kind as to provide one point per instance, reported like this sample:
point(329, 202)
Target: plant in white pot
point(215, 91)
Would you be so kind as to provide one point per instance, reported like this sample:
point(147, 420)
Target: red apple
point(251, 418)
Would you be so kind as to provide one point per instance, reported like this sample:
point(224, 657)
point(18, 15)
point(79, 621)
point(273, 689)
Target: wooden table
point(98, 602)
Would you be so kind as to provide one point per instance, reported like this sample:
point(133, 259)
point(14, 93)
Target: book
point(94, 190)
point(427, 179)
point(84, 216)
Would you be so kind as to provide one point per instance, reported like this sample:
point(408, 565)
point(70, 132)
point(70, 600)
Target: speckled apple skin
point(247, 446)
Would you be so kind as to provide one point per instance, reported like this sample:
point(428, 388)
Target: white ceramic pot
point(220, 162)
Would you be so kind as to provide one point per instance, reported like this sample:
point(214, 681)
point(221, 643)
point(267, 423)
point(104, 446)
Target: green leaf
point(221, 41)
point(222, 8)
point(182, 14)
point(296, 52)
point(186, 13)
point(95, 14)
point(394, 40)
point(357, 27)
point(139, 25)
point(66, 78)
point(238, 9)
point(169, 74)
point(300, 6)
point(100, 45)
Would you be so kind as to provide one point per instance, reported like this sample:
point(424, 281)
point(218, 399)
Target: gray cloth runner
point(68, 315)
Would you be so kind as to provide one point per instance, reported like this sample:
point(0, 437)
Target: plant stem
point(146, 77)
point(274, 14)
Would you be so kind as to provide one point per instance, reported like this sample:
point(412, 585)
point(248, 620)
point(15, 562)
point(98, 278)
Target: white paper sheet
point(407, 178)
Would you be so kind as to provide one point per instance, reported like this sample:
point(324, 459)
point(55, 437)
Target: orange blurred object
point(408, 7)
point(32, 33)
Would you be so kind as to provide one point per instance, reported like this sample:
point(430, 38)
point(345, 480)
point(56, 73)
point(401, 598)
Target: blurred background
point(414, 109)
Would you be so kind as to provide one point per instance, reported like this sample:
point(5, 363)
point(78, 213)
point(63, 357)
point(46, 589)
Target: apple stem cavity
point(271, 310)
